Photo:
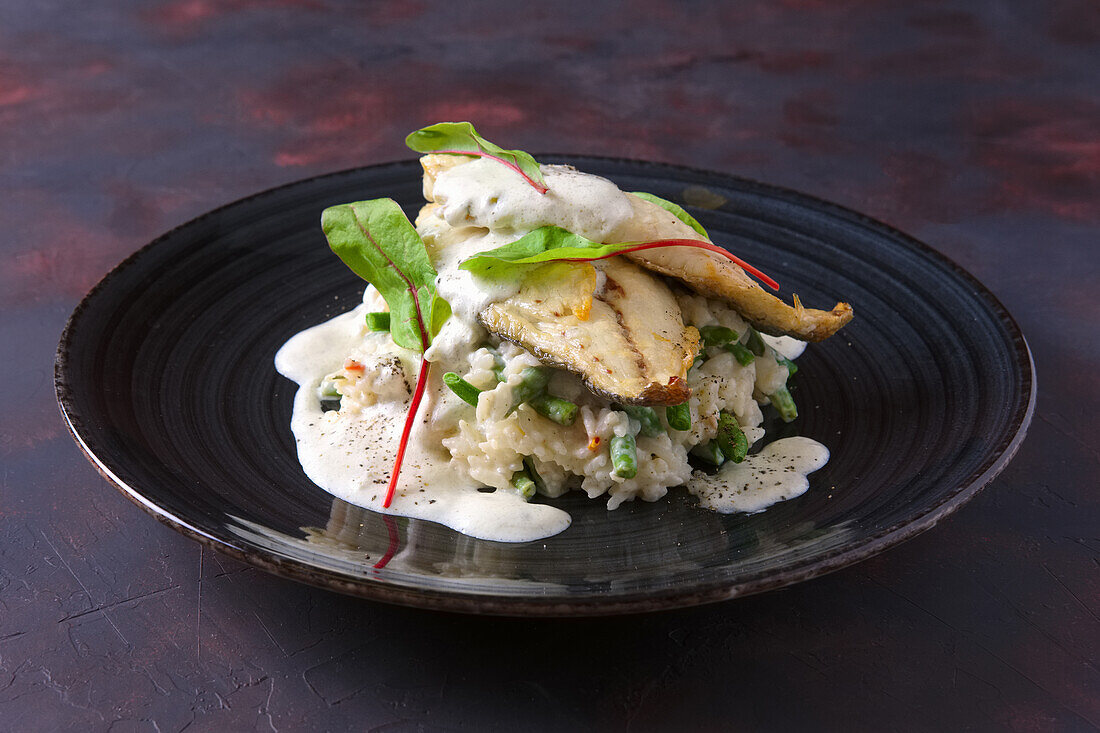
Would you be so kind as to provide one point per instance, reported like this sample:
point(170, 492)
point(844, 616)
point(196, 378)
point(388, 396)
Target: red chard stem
point(687, 243)
point(414, 406)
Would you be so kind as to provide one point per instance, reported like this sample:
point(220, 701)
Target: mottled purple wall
point(973, 125)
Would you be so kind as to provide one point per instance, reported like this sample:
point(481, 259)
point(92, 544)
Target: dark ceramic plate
point(165, 377)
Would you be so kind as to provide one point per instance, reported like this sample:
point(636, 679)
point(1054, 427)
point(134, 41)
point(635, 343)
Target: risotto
point(520, 405)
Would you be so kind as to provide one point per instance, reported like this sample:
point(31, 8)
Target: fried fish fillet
point(715, 277)
point(624, 338)
point(618, 328)
point(706, 273)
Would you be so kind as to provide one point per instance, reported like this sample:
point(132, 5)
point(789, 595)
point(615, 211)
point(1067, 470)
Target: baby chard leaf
point(554, 244)
point(376, 240)
point(545, 244)
point(460, 138)
point(378, 243)
point(674, 209)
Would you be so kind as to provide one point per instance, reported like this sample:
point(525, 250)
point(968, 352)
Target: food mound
point(540, 330)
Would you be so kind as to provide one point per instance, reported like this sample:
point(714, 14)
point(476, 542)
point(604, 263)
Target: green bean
point(498, 365)
point(792, 368)
point(529, 466)
point(710, 453)
point(647, 416)
point(717, 335)
point(744, 356)
point(523, 484)
point(624, 456)
point(784, 403)
point(698, 361)
point(755, 342)
point(329, 389)
point(563, 412)
point(679, 416)
point(329, 395)
point(731, 439)
point(378, 321)
point(532, 383)
point(467, 392)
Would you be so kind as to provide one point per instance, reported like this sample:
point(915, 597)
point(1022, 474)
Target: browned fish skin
point(706, 273)
point(633, 347)
point(715, 277)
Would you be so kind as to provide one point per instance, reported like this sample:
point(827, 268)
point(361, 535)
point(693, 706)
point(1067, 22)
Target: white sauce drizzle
point(787, 346)
point(777, 473)
point(485, 193)
point(467, 295)
point(351, 455)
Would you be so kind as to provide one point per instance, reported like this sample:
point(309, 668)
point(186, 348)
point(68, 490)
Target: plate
point(164, 374)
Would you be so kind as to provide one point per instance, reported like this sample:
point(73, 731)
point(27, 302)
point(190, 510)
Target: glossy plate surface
point(165, 376)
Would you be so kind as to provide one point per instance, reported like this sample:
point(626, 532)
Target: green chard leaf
point(378, 243)
point(460, 138)
point(674, 209)
point(545, 244)
point(554, 244)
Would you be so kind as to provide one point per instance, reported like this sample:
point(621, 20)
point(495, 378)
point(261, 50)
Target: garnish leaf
point(554, 244)
point(545, 244)
point(376, 240)
point(460, 138)
point(675, 209)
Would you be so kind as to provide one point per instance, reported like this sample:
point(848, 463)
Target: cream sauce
point(787, 346)
point(777, 473)
point(351, 454)
point(466, 294)
point(487, 194)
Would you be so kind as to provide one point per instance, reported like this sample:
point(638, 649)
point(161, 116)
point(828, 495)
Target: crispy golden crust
point(706, 273)
point(714, 277)
point(632, 347)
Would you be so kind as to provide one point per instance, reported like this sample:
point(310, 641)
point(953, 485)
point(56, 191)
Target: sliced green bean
point(523, 484)
point(709, 453)
point(329, 395)
point(717, 335)
point(755, 342)
point(647, 416)
point(731, 438)
point(679, 416)
point(378, 321)
point(529, 466)
point(784, 404)
point(624, 456)
point(467, 392)
point(744, 356)
point(792, 368)
point(561, 411)
point(533, 381)
point(328, 389)
point(498, 365)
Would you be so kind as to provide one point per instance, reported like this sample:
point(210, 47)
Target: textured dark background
point(972, 125)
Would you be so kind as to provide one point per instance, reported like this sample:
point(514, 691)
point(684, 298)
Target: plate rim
point(376, 589)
